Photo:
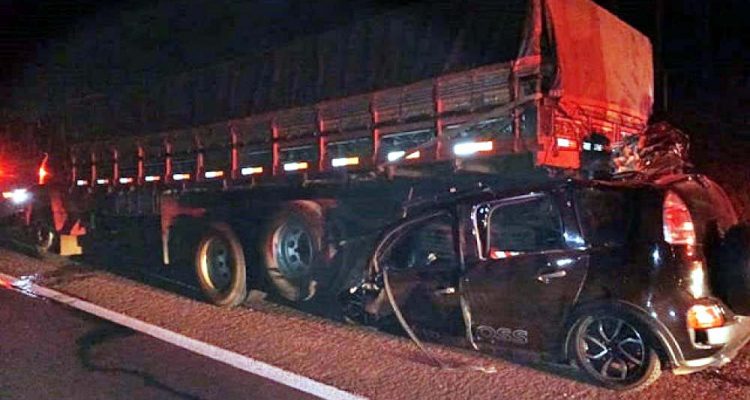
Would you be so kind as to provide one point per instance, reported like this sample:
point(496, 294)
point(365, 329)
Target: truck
point(352, 130)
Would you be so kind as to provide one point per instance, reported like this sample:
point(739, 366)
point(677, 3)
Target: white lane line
point(268, 371)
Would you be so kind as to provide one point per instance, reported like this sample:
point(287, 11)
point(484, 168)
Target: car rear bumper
point(735, 335)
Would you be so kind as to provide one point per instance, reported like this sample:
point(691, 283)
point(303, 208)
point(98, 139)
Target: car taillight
point(702, 316)
point(678, 224)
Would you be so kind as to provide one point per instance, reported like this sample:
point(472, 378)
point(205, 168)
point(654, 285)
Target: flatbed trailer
point(284, 197)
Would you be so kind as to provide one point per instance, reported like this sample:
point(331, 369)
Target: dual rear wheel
point(289, 247)
point(220, 266)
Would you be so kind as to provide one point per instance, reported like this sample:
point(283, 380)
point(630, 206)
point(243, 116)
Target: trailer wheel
point(43, 235)
point(291, 248)
point(220, 266)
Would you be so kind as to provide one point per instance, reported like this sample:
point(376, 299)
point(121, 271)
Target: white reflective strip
point(251, 170)
point(152, 178)
point(213, 174)
point(414, 155)
point(395, 155)
point(469, 148)
point(565, 142)
point(344, 161)
point(181, 177)
point(295, 166)
point(245, 363)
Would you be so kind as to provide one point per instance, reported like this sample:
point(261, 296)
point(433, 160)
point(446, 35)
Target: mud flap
point(69, 246)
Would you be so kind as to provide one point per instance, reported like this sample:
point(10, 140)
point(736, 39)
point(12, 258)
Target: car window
point(422, 244)
point(605, 215)
point(528, 226)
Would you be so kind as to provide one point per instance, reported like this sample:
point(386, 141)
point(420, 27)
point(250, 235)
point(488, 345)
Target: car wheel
point(292, 247)
point(614, 352)
point(220, 266)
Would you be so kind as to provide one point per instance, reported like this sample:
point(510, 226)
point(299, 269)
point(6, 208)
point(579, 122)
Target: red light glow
point(6, 284)
point(43, 174)
point(496, 254)
point(678, 224)
point(702, 316)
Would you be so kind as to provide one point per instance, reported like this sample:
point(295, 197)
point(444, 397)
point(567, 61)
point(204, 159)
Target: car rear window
point(605, 215)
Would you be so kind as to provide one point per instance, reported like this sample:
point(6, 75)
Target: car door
point(423, 271)
point(527, 273)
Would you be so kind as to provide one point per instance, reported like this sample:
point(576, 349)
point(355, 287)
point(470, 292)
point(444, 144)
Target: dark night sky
point(25, 25)
point(697, 34)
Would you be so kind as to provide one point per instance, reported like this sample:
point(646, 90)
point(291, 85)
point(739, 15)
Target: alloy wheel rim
point(294, 250)
point(613, 349)
point(216, 265)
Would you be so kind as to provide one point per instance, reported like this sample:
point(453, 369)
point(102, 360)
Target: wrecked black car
point(614, 276)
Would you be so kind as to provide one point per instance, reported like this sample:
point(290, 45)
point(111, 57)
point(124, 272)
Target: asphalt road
point(48, 351)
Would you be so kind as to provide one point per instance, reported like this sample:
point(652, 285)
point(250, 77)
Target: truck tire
point(43, 235)
point(614, 351)
point(731, 275)
point(220, 266)
point(291, 247)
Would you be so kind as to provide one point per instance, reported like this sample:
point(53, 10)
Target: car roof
point(497, 187)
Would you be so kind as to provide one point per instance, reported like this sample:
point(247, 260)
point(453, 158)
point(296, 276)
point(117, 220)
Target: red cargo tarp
point(602, 61)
